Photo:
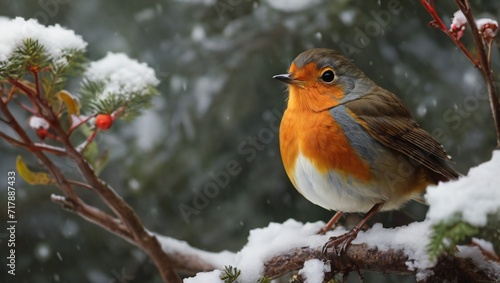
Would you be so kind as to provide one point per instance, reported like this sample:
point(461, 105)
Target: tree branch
point(134, 228)
point(126, 214)
point(360, 257)
point(438, 23)
point(33, 146)
point(95, 216)
point(484, 65)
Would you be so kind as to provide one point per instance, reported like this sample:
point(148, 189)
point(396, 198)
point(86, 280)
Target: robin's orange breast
point(336, 164)
point(321, 140)
point(322, 164)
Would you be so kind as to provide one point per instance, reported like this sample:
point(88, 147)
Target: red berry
point(34, 69)
point(42, 133)
point(103, 121)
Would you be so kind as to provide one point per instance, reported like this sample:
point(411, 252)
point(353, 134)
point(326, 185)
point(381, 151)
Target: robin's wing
point(388, 121)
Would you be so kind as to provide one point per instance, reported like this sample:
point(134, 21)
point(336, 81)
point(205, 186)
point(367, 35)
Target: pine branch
point(129, 226)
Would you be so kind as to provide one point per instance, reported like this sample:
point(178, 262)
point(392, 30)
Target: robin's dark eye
point(328, 76)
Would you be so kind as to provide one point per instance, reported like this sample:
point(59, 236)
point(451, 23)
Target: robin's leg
point(330, 223)
point(340, 243)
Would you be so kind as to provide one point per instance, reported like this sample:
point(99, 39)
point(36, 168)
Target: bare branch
point(95, 216)
point(485, 65)
point(33, 147)
point(438, 23)
point(81, 184)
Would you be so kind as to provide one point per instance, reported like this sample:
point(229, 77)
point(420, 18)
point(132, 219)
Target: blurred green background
point(218, 105)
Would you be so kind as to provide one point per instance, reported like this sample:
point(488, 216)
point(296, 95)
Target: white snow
point(487, 27)
point(291, 5)
point(57, 41)
point(38, 122)
point(473, 196)
point(482, 22)
point(275, 239)
point(205, 277)
point(347, 16)
point(314, 271)
point(121, 75)
point(411, 239)
point(458, 20)
point(198, 33)
point(475, 254)
point(484, 245)
point(172, 246)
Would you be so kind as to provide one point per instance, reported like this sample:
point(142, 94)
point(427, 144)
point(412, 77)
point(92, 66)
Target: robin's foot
point(340, 243)
point(330, 223)
point(322, 231)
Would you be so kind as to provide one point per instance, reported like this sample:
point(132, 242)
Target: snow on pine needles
point(58, 42)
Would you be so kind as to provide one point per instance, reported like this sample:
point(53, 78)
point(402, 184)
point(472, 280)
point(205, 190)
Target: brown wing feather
point(388, 121)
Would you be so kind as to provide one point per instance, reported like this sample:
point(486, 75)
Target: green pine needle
point(91, 94)
point(447, 235)
point(230, 274)
point(33, 54)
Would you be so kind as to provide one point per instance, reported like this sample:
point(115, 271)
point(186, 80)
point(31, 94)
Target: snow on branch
point(401, 250)
point(58, 43)
point(473, 197)
point(279, 249)
point(35, 61)
point(116, 81)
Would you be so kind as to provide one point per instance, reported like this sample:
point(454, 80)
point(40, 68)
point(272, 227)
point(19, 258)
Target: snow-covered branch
point(282, 248)
point(440, 247)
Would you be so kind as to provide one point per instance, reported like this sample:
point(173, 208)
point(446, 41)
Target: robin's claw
point(340, 243)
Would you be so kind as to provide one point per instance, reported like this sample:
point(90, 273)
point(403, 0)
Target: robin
point(351, 146)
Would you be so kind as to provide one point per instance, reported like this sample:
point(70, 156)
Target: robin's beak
point(286, 78)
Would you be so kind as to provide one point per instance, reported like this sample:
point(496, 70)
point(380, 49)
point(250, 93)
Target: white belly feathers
point(333, 190)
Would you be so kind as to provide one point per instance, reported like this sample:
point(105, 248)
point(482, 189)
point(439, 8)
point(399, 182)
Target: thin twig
point(485, 64)
point(74, 127)
point(438, 23)
point(33, 146)
point(11, 93)
point(58, 176)
point(81, 184)
point(24, 107)
point(95, 215)
point(29, 93)
point(38, 85)
point(490, 46)
point(81, 148)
